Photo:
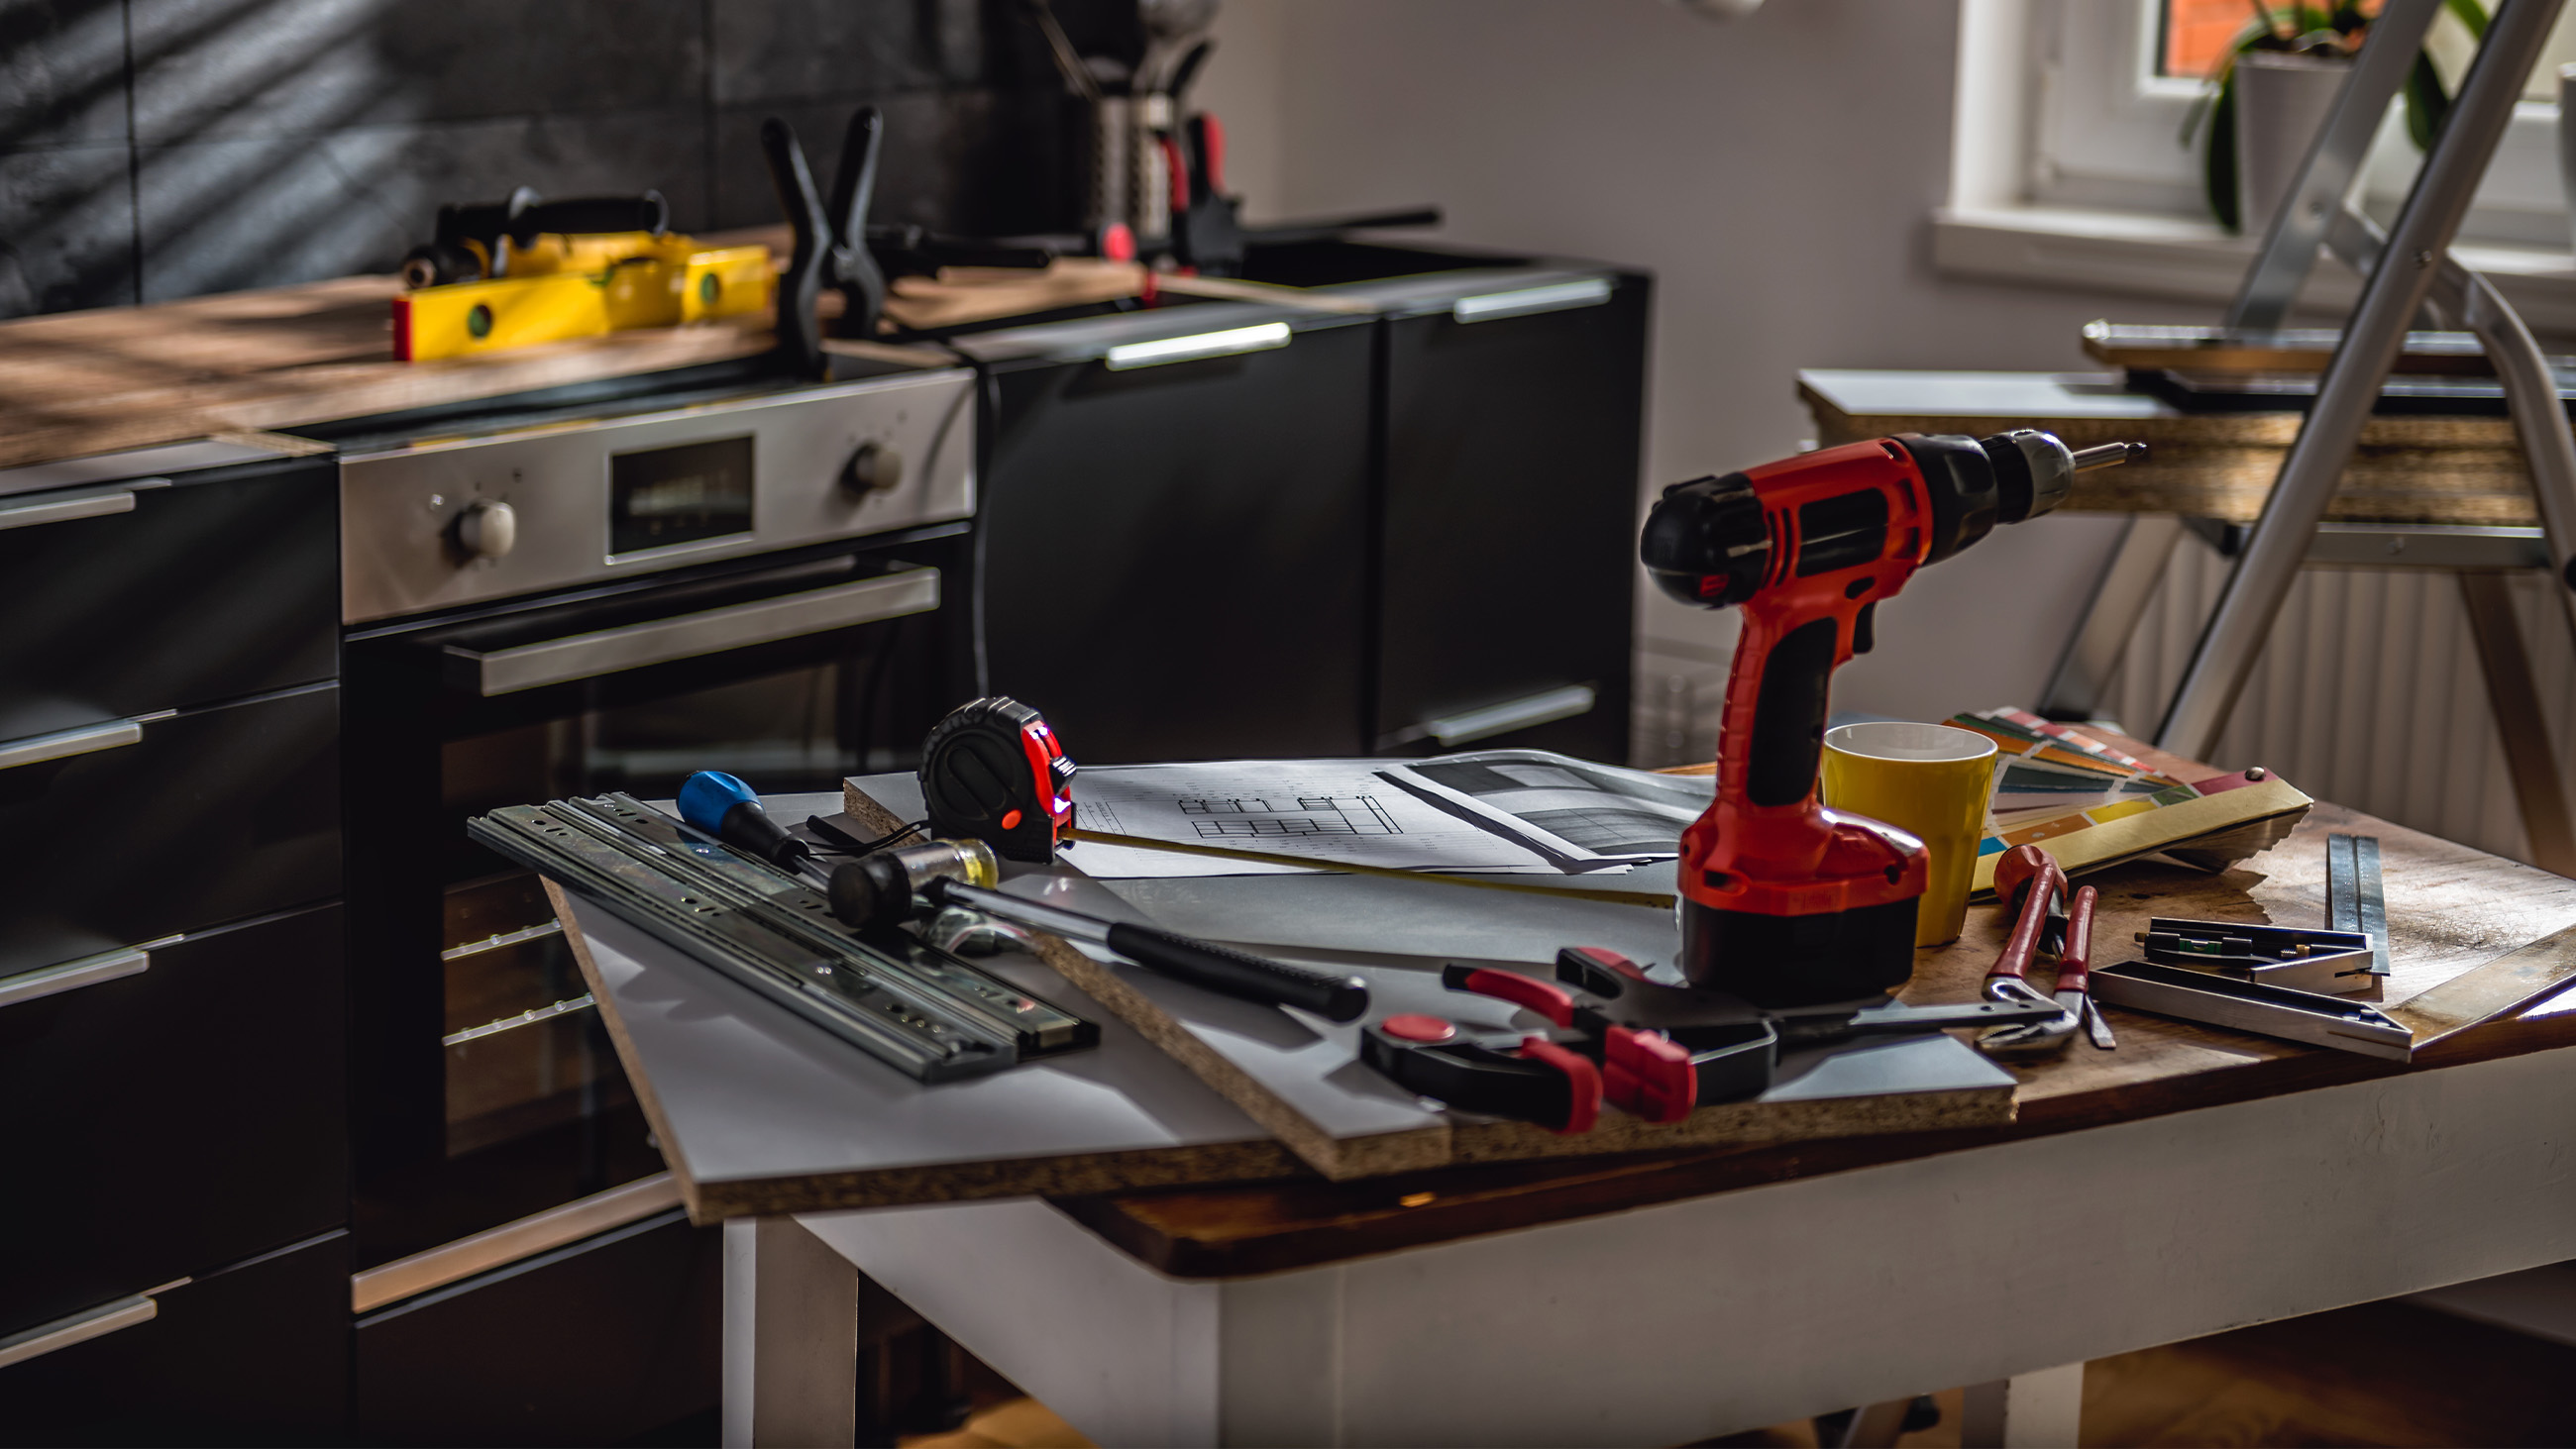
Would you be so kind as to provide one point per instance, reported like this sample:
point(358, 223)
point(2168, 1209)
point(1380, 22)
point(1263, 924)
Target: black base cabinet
point(1509, 527)
point(256, 1353)
point(167, 1122)
point(1173, 559)
point(600, 1342)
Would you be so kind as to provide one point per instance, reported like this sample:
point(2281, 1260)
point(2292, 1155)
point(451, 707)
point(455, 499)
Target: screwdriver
point(730, 810)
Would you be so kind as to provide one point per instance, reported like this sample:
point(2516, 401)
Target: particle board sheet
point(2406, 469)
point(1298, 1075)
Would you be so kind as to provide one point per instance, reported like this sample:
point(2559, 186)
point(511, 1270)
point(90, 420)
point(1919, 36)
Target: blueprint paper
point(1579, 815)
point(1518, 811)
point(1331, 810)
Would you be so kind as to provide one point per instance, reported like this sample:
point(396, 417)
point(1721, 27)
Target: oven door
point(485, 1088)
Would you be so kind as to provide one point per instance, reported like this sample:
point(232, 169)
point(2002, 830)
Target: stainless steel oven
point(574, 600)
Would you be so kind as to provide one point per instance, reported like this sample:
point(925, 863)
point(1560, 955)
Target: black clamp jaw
point(831, 246)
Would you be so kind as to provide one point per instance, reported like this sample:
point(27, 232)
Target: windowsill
point(2140, 255)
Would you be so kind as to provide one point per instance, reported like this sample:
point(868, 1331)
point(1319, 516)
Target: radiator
point(2369, 695)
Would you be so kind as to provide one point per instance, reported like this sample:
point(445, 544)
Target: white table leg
point(791, 1337)
point(2037, 1410)
point(1125, 1355)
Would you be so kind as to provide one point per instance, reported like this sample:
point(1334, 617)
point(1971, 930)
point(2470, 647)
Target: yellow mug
point(1931, 781)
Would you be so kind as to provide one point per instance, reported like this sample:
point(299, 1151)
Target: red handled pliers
point(2031, 881)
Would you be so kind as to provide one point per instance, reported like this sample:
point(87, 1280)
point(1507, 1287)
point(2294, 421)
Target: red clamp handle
point(1647, 1075)
point(2046, 883)
point(2073, 963)
point(1550, 1001)
point(1582, 1082)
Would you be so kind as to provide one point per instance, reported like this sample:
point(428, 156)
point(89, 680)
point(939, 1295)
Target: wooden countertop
point(2407, 469)
point(77, 383)
point(2450, 908)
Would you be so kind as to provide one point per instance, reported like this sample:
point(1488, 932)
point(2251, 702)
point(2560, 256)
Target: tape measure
point(992, 771)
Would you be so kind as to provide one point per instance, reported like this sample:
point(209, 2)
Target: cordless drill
point(1784, 902)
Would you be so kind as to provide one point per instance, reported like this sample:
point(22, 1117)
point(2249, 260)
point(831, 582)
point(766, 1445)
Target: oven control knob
point(487, 530)
point(873, 468)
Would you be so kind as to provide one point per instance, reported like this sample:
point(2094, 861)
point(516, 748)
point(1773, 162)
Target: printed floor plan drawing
point(1282, 817)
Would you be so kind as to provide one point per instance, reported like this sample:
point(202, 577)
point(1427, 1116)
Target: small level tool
point(919, 1010)
point(525, 271)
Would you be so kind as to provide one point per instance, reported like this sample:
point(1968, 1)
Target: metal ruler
point(917, 1009)
point(2353, 898)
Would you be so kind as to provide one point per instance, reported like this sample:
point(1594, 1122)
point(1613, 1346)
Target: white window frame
point(2097, 130)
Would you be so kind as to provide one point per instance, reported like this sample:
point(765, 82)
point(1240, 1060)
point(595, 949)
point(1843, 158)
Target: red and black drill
point(1784, 902)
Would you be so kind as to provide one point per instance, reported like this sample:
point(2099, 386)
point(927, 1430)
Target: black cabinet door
point(161, 1124)
point(1174, 559)
point(596, 1343)
point(215, 815)
point(212, 589)
point(255, 1354)
point(1511, 519)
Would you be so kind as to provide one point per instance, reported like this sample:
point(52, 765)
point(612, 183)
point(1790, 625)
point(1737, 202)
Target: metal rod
point(2108, 455)
point(2308, 210)
point(2350, 387)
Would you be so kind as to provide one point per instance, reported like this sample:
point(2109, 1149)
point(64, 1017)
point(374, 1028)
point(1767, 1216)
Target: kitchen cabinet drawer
point(1510, 527)
point(164, 1122)
point(255, 1354)
point(203, 587)
point(599, 1342)
point(210, 816)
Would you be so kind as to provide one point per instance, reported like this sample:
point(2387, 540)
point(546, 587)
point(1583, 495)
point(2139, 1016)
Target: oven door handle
point(911, 590)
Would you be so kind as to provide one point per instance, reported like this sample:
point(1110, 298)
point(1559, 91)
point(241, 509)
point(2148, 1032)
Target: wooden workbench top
point(2450, 908)
point(2407, 469)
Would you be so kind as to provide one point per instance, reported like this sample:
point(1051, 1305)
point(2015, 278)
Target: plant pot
point(2282, 101)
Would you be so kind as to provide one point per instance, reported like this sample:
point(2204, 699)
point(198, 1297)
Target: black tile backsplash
point(67, 239)
point(275, 141)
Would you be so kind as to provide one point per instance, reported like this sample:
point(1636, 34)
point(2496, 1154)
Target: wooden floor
point(2380, 1374)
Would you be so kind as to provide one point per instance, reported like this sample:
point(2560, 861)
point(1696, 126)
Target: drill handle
point(1772, 735)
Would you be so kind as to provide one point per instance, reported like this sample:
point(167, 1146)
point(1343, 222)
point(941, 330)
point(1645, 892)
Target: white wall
point(1775, 173)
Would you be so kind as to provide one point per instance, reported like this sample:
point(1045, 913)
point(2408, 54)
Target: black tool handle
point(800, 337)
point(1240, 973)
point(589, 215)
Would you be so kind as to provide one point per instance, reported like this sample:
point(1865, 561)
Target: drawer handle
point(1233, 340)
point(510, 1242)
point(608, 651)
point(1554, 297)
point(87, 740)
point(87, 971)
point(64, 510)
point(1517, 714)
point(98, 1322)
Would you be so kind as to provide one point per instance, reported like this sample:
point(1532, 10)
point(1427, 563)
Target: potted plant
point(2320, 40)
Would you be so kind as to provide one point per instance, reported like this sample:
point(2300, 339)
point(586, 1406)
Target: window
point(2115, 83)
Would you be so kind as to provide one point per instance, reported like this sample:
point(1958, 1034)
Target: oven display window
point(669, 497)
